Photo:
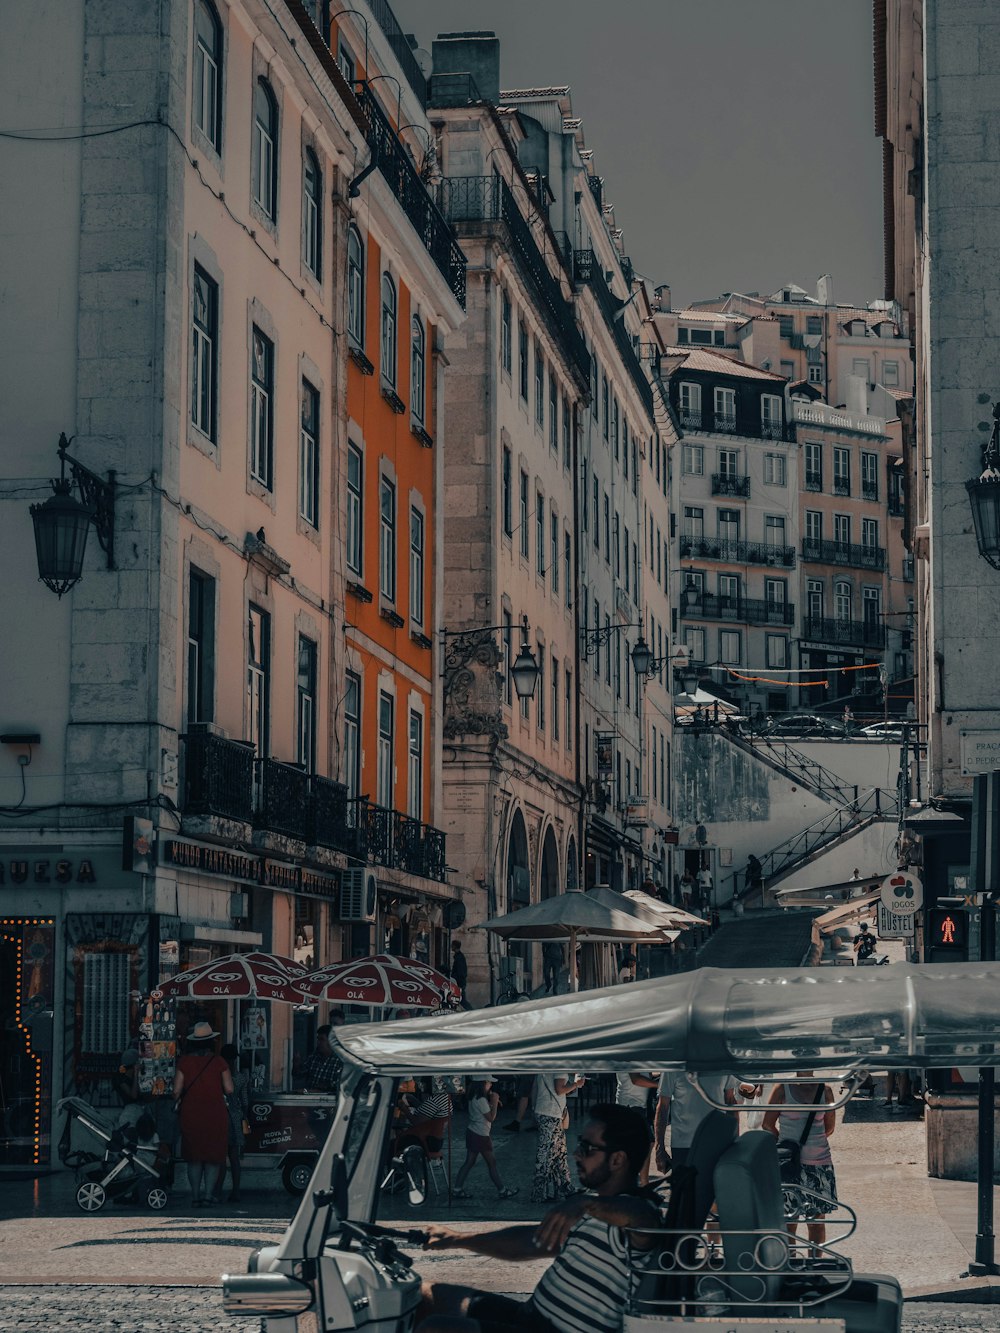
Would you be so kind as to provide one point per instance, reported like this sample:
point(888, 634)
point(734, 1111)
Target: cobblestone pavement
point(196, 1309)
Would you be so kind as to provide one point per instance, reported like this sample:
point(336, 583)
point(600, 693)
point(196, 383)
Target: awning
point(852, 911)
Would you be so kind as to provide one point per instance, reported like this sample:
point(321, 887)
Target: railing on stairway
point(797, 766)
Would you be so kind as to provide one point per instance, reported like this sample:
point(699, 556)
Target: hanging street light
point(62, 522)
point(525, 671)
point(984, 497)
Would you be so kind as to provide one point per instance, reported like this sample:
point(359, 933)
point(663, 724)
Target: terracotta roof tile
point(715, 361)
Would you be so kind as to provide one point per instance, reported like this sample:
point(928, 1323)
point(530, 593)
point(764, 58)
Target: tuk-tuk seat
point(749, 1202)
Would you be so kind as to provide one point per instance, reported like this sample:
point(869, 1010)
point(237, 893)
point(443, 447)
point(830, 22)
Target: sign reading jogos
point(903, 892)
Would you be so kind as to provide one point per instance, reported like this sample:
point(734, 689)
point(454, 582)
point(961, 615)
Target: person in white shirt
point(483, 1107)
point(551, 1169)
point(633, 1091)
point(681, 1105)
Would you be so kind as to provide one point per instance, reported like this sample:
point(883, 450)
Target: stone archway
point(572, 867)
point(518, 888)
point(548, 881)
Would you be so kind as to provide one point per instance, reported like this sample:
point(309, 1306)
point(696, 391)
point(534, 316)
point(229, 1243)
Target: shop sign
point(245, 868)
point(903, 892)
point(22, 870)
point(604, 742)
point(980, 752)
point(894, 925)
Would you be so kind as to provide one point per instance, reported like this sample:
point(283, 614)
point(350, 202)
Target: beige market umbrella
point(662, 915)
point(575, 917)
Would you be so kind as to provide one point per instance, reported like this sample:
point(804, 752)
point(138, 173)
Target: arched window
point(312, 214)
point(418, 377)
point(842, 600)
point(264, 168)
point(206, 94)
point(388, 330)
point(356, 287)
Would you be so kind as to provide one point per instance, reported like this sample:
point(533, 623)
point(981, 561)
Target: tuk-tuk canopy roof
point(739, 1020)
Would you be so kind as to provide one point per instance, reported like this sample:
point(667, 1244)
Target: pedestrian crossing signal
point(949, 928)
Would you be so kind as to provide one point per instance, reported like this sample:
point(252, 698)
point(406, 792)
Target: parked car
point(884, 731)
point(802, 726)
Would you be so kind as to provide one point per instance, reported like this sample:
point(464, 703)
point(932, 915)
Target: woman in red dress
point(201, 1084)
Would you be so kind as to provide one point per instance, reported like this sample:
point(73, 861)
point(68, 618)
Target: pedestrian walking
point(753, 876)
point(688, 888)
point(705, 887)
point(680, 1104)
point(460, 971)
point(864, 944)
point(201, 1084)
point(799, 1112)
point(238, 1106)
point(483, 1107)
point(524, 1087)
point(551, 1169)
point(552, 962)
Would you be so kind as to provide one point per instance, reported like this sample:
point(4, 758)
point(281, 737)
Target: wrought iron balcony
point(401, 843)
point(690, 417)
point(843, 553)
point(869, 490)
point(814, 481)
point(738, 553)
point(468, 199)
point(856, 633)
point(334, 819)
point(218, 776)
point(445, 90)
point(401, 48)
point(724, 423)
point(403, 179)
point(841, 485)
point(772, 430)
point(744, 610)
point(587, 269)
point(725, 484)
point(282, 798)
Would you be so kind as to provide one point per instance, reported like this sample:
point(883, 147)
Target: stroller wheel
point(91, 1196)
point(156, 1198)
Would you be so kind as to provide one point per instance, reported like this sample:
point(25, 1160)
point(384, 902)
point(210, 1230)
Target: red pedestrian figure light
point(948, 930)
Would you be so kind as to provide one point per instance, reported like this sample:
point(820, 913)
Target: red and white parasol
point(380, 981)
point(238, 976)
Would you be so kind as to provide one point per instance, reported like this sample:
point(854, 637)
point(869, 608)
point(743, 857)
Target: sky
point(735, 137)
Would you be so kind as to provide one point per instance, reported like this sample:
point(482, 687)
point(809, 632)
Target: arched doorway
point(518, 894)
point(572, 868)
point(549, 884)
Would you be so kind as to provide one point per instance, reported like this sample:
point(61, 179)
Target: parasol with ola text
point(381, 981)
point(238, 976)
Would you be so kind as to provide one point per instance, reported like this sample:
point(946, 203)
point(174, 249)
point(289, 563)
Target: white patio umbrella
point(662, 915)
point(575, 917)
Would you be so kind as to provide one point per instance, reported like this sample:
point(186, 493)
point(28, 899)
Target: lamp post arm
point(96, 492)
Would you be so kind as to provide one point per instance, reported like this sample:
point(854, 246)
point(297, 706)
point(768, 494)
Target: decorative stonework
point(472, 686)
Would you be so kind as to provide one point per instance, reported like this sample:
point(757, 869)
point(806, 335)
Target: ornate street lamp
point(984, 496)
point(62, 522)
point(465, 645)
point(642, 657)
point(525, 669)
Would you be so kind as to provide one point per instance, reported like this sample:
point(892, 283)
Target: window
point(869, 532)
point(309, 455)
point(814, 599)
point(355, 509)
point(416, 566)
point(418, 376)
point(567, 569)
point(786, 326)
point(204, 353)
point(860, 368)
point(384, 777)
point(729, 591)
point(201, 647)
point(776, 651)
point(653, 766)
point(388, 330)
point(694, 641)
point(584, 490)
point(506, 333)
point(694, 522)
point(869, 476)
point(312, 215)
point(207, 90)
point(567, 434)
point(554, 549)
point(725, 409)
point(568, 698)
point(605, 407)
point(774, 469)
point(539, 387)
point(506, 648)
point(607, 529)
point(258, 679)
point(814, 526)
point(595, 375)
point(871, 605)
point(693, 460)
point(814, 467)
point(352, 738)
point(815, 374)
point(355, 287)
point(625, 549)
point(775, 592)
point(539, 534)
point(387, 539)
point(507, 497)
point(346, 62)
point(555, 698)
point(415, 768)
point(730, 647)
point(729, 463)
point(728, 523)
point(523, 514)
point(597, 514)
point(522, 360)
point(540, 693)
point(264, 164)
point(305, 705)
point(842, 600)
point(553, 413)
point(774, 530)
point(814, 324)
point(607, 648)
point(841, 471)
point(625, 447)
point(770, 416)
point(597, 647)
point(262, 409)
point(615, 427)
point(690, 397)
point(842, 529)
point(890, 374)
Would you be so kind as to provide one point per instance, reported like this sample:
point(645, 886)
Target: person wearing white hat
point(201, 1084)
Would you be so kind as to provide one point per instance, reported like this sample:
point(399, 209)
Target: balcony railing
point(814, 481)
point(403, 179)
point(726, 484)
point(724, 423)
point(489, 199)
point(843, 553)
point(772, 430)
point(587, 268)
point(745, 610)
point(856, 633)
point(401, 48)
point(738, 553)
point(841, 486)
point(869, 490)
point(218, 776)
point(224, 779)
point(690, 418)
point(452, 90)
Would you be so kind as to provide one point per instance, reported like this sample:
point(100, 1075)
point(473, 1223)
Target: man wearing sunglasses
point(585, 1289)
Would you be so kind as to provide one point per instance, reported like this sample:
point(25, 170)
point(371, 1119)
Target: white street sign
point(903, 891)
point(894, 925)
point(980, 752)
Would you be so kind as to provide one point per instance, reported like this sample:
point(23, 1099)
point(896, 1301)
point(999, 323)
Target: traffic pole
point(985, 865)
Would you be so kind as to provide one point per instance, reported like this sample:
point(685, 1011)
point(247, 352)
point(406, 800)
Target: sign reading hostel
point(980, 752)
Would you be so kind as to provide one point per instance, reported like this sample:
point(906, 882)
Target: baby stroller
point(132, 1163)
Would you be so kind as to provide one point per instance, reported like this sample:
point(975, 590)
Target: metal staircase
point(795, 766)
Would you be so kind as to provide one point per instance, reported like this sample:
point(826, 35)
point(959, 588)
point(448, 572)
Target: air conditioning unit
point(358, 894)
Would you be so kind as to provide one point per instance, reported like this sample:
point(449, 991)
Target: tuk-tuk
point(336, 1269)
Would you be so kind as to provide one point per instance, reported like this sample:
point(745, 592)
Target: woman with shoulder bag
point(800, 1119)
point(551, 1169)
point(201, 1084)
